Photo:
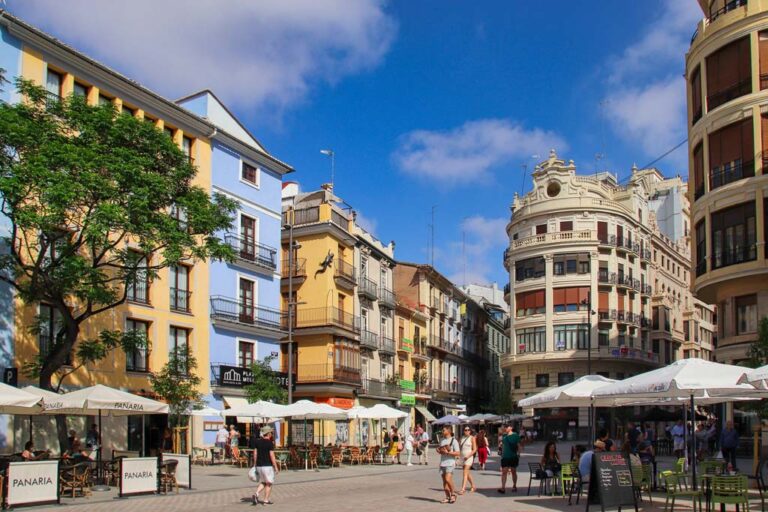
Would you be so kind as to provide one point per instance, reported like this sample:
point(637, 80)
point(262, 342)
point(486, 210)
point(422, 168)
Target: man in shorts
point(448, 450)
point(510, 458)
point(266, 465)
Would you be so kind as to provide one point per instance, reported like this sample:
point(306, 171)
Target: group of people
point(414, 441)
point(76, 450)
point(228, 441)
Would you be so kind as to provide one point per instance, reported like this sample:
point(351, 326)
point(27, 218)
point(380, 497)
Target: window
point(571, 336)
point(186, 148)
point(686, 331)
point(746, 314)
point(729, 73)
point(245, 353)
point(696, 105)
point(655, 320)
point(138, 360)
point(363, 267)
point(169, 131)
point(53, 82)
point(250, 174)
point(50, 322)
point(80, 90)
point(541, 229)
point(103, 100)
point(731, 154)
point(566, 225)
point(347, 355)
point(603, 337)
point(532, 339)
point(602, 232)
point(530, 303)
point(517, 382)
point(565, 378)
point(570, 299)
point(247, 300)
point(248, 238)
point(733, 235)
point(138, 285)
point(178, 342)
point(128, 111)
point(530, 268)
point(698, 170)
point(763, 49)
point(542, 380)
point(180, 294)
point(563, 264)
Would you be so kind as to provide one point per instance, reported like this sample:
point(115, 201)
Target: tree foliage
point(265, 383)
point(87, 193)
point(178, 383)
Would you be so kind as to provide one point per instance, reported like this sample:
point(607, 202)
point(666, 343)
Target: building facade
point(591, 266)
point(246, 323)
point(172, 309)
point(726, 69)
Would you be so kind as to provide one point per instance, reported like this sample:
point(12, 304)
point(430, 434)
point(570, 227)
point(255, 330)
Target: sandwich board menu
point(610, 483)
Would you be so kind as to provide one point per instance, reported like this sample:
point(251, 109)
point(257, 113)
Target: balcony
point(369, 339)
point(735, 171)
point(605, 277)
point(506, 259)
point(729, 6)
point(420, 350)
point(446, 387)
point(340, 220)
point(438, 343)
point(322, 319)
point(180, 300)
point(734, 256)
point(345, 274)
point(387, 346)
point(387, 298)
point(435, 303)
point(367, 288)
point(606, 315)
point(252, 254)
point(51, 99)
point(297, 271)
point(320, 373)
point(626, 244)
point(507, 290)
point(701, 267)
point(553, 237)
point(720, 97)
point(138, 292)
point(377, 388)
point(233, 314)
point(303, 216)
point(645, 254)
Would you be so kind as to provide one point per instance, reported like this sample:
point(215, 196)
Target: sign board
point(408, 384)
point(303, 433)
point(138, 476)
point(183, 469)
point(238, 377)
point(407, 399)
point(11, 376)
point(341, 403)
point(34, 482)
point(610, 483)
point(406, 344)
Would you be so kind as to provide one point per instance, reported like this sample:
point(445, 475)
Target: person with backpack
point(424, 447)
point(449, 451)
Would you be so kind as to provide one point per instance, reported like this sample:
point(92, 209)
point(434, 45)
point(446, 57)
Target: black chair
point(537, 473)
point(758, 478)
point(578, 485)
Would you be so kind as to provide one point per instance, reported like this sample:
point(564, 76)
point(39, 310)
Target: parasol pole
point(693, 441)
point(102, 486)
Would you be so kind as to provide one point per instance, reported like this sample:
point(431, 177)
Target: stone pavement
point(368, 488)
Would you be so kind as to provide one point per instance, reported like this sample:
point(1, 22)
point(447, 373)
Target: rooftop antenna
point(432, 245)
point(524, 166)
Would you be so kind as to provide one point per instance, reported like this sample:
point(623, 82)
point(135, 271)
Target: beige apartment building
point(594, 264)
point(727, 74)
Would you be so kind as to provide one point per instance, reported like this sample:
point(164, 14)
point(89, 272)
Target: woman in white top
point(409, 445)
point(468, 449)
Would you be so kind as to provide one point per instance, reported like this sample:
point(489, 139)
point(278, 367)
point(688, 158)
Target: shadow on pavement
point(422, 498)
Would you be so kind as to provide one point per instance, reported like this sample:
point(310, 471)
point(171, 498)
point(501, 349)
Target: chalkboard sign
point(610, 482)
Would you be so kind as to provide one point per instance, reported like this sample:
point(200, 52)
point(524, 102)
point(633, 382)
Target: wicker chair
point(240, 458)
point(313, 453)
point(336, 457)
point(76, 478)
point(296, 460)
point(168, 476)
point(354, 455)
point(200, 456)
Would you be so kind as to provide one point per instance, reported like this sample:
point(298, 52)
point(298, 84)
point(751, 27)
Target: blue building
point(245, 295)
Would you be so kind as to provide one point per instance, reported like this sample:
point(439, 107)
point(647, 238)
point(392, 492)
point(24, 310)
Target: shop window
point(542, 380)
point(746, 314)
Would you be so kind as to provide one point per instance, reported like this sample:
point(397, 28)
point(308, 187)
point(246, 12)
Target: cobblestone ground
point(369, 488)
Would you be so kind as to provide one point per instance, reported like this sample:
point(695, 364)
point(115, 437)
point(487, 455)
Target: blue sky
point(424, 103)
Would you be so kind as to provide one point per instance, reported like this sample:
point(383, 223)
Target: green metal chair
point(674, 484)
point(641, 481)
point(730, 490)
point(567, 476)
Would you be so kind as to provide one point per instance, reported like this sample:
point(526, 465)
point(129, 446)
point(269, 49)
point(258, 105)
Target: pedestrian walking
point(510, 458)
point(729, 441)
point(448, 450)
point(395, 445)
point(424, 446)
point(468, 449)
point(678, 435)
point(265, 465)
point(409, 445)
point(482, 448)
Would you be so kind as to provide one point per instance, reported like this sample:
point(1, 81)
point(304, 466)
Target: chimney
point(327, 186)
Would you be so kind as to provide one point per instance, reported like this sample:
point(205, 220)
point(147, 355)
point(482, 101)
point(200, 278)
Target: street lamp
point(590, 312)
point(330, 153)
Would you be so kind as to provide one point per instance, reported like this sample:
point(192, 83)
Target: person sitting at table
point(77, 453)
point(29, 452)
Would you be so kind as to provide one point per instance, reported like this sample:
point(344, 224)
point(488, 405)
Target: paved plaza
point(350, 488)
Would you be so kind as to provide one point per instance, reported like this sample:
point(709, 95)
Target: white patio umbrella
point(100, 400)
point(757, 377)
point(574, 394)
point(16, 401)
point(262, 411)
point(45, 395)
point(307, 410)
point(686, 379)
point(483, 418)
point(450, 419)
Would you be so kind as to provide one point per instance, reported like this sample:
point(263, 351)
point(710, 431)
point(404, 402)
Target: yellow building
point(170, 314)
point(413, 361)
point(726, 70)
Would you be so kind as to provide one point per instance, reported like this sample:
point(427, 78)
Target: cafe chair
point(567, 477)
point(578, 484)
point(537, 473)
point(200, 456)
point(240, 457)
point(641, 481)
point(76, 478)
point(336, 457)
point(354, 455)
point(730, 490)
point(313, 453)
point(282, 459)
point(168, 476)
point(674, 484)
point(759, 481)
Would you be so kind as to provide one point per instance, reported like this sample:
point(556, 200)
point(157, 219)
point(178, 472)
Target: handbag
point(400, 446)
point(252, 475)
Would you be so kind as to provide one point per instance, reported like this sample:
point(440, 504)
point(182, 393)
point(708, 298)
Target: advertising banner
point(183, 470)
point(34, 482)
point(138, 476)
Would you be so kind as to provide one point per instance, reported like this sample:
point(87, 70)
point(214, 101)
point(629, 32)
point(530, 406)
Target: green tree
point(94, 201)
point(758, 352)
point(502, 401)
point(265, 383)
point(178, 383)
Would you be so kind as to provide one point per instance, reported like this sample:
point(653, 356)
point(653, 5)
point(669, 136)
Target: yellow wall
point(111, 371)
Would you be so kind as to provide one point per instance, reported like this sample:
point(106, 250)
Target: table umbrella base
point(100, 488)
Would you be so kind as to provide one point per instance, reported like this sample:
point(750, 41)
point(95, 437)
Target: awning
point(428, 416)
point(236, 402)
point(449, 405)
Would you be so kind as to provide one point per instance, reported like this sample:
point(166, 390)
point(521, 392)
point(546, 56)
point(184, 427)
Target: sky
point(431, 107)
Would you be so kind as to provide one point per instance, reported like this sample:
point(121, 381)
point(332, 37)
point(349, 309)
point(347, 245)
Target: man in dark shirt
point(266, 465)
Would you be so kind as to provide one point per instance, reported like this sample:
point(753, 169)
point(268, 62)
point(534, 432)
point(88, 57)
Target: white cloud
point(467, 153)
point(484, 240)
point(653, 116)
point(367, 223)
point(265, 53)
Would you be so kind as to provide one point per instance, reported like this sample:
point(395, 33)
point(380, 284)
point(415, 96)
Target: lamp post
point(590, 312)
point(330, 153)
point(291, 264)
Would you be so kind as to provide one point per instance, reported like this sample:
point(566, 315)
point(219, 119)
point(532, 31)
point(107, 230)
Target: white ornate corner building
point(595, 264)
